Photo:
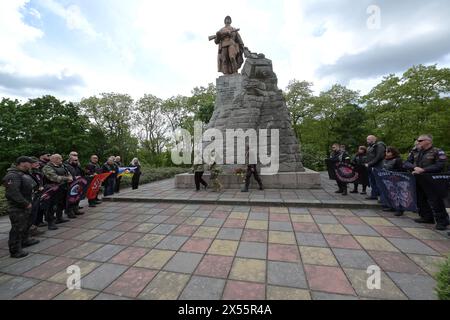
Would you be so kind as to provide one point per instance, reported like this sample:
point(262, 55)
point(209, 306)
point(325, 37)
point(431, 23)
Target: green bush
point(3, 205)
point(443, 281)
point(150, 174)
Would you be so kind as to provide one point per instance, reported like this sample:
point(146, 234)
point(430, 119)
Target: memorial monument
point(252, 100)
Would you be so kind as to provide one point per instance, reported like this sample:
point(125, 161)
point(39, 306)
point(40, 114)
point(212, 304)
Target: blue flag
point(397, 189)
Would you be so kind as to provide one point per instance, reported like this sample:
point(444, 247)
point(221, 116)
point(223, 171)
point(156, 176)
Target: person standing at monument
point(118, 179)
point(429, 160)
point(137, 173)
point(339, 156)
point(251, 171)
point(199, 169)
point(55, 172)
point(375, 155)
point(19, 190)
point(231, 48)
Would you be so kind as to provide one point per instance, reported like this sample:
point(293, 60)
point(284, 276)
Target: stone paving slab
point(221, 251)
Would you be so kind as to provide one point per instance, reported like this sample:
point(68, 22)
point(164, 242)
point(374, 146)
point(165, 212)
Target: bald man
point(375, 155)
point(55, 172)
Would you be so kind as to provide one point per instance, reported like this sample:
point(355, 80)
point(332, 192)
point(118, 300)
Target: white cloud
point(72, 15)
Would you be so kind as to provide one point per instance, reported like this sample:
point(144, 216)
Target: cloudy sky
point(78, 48)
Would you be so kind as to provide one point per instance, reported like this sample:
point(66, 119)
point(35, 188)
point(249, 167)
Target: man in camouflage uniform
point(73, 165)
point(215, 172)
point(429, 160)
point(56, 172)
point(19, 190)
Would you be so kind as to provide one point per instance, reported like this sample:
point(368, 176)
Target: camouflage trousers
point(217, 186)
point(20, 225)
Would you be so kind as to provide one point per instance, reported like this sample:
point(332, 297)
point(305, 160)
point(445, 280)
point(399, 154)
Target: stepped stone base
point(284, 180)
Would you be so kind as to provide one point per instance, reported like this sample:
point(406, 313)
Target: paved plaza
point(194, 251)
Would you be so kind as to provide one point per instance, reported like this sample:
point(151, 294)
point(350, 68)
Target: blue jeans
point(374, 193)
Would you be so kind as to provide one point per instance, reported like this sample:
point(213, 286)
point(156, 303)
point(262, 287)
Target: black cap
point(23, 159)
point(43, 153)
point(34, 159)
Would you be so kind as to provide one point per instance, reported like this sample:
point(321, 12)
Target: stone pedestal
point(284, 180)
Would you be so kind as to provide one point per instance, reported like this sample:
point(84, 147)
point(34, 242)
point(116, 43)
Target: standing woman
point(198, 175)
point(137, 173)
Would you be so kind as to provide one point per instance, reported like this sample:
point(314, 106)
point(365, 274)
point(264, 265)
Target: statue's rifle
point(215, 36)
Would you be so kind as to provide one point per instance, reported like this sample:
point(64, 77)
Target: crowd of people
point(30, 179)
point(424, 158)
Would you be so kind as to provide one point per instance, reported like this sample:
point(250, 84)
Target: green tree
point(112, 113)
point(299, 101)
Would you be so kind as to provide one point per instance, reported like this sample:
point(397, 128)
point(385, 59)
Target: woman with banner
point(137, 173)
point(392, 162)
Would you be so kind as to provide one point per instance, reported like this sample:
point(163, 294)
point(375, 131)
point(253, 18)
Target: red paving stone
point(129, 256)
point(128, 238)
point(214, 266)
point(49, 268)
point(442, 246)
point(342, 241)
point(282, 252)
point(251, 235)
point(185, 230)
point(350, 220)
point(395, 262)
point(197, 245)
point(392, 232)
point(132, 282)
point(328, 279)
point(279, 217)
point(237, 290)
point(234, 223)
point(305, 227)
point(42, 291)
point(220, 215)
point(62, 247)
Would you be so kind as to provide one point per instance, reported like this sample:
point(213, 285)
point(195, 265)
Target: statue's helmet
point(227, 20)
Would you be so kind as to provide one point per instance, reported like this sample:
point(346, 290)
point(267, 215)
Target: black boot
point(52, 226)
point(354, 191)
point(29, 242)
point(19, 254)
point(425, 221)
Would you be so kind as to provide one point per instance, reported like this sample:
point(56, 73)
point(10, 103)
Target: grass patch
point(443, 281)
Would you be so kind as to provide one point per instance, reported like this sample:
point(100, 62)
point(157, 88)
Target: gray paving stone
point(201, 288)
point(108, 236)
point(412, 246)
point(258, 216)
point(15, 286)
point(201, 214)
point(311, 239)
point(361, 230)
point(325, 219)
point(286, 274)
point(280, 226)
point(230, 234)
point(357, 259)
point(172, 243)
point(331, 296)
point(301, 211)
point(183, 262)
point(102, 277)
point(26, 264)
point(416, 287)
point(164, 229)
point(158, 219)
point(109, 297)
point(366, 212)
point(108, 225)
point(44, 244)
point(214, 222)
point(105, 253)
point(252, 250)
point(404, 222)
